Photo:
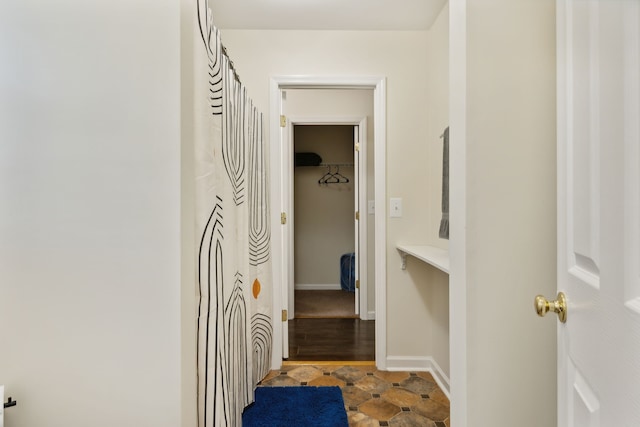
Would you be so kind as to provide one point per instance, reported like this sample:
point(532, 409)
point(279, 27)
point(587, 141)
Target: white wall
point(400, 56)
point(437, 102)
point(90, 212)
point(189, 41)
point(507, 92)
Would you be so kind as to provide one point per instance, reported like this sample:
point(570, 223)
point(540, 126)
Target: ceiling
point(325, 14)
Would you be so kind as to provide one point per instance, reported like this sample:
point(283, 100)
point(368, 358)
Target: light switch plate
point(395, 207)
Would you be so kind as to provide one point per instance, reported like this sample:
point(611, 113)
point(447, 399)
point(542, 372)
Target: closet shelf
point(439, 258)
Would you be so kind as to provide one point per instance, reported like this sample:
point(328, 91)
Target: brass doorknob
point(543, 306)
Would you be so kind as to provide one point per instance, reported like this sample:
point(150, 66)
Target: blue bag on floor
point(348, 272)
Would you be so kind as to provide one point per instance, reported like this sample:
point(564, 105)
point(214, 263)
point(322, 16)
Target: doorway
point(324, 243)
point(326, 324)
point(285, 112)
point(325, 230)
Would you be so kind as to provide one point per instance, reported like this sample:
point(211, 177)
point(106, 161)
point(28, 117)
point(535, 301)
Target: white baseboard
point(317, 287)
point(421, 364)
point(369, 315)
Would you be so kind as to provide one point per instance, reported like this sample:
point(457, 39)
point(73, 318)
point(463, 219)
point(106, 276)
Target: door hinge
point(358, 284)
point(357, 146)
point(283, 218)
point(285, 315)
point(357, 215)
point(283, 121)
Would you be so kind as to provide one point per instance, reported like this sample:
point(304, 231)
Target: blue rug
point(296, 406)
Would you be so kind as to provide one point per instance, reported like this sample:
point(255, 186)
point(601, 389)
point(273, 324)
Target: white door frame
point(457, 211)
point(287, 154)
point(378, 85)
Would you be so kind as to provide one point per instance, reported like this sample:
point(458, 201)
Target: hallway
point(331, 339)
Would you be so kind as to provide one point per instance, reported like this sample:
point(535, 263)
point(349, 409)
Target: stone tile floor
point(373, 397)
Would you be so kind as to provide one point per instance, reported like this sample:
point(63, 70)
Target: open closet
point(324, 230)
point(326, 325)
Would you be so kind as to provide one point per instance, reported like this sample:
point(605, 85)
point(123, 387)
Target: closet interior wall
point(323, 213)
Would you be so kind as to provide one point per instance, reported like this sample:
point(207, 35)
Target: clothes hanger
point(333, 177)
point(326, 176)
point(341, 178)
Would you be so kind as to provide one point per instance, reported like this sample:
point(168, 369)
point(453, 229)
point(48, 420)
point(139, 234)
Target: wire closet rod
point(336, 164)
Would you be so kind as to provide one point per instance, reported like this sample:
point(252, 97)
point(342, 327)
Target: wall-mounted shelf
point(439, 258)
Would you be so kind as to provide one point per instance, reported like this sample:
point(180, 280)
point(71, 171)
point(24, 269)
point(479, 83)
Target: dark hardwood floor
point(331, 340)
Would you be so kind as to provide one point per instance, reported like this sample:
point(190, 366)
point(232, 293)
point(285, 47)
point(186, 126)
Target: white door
point(356, 207)
point(598, 212)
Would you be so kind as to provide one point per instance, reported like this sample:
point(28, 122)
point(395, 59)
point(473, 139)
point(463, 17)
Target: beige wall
point(437, 103)
point(189, 41)
point(323, 213)
point(400, 57)
point(510, 212)
point(90, 213)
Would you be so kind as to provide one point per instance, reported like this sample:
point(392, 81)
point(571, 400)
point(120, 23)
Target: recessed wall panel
point(584, 405)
